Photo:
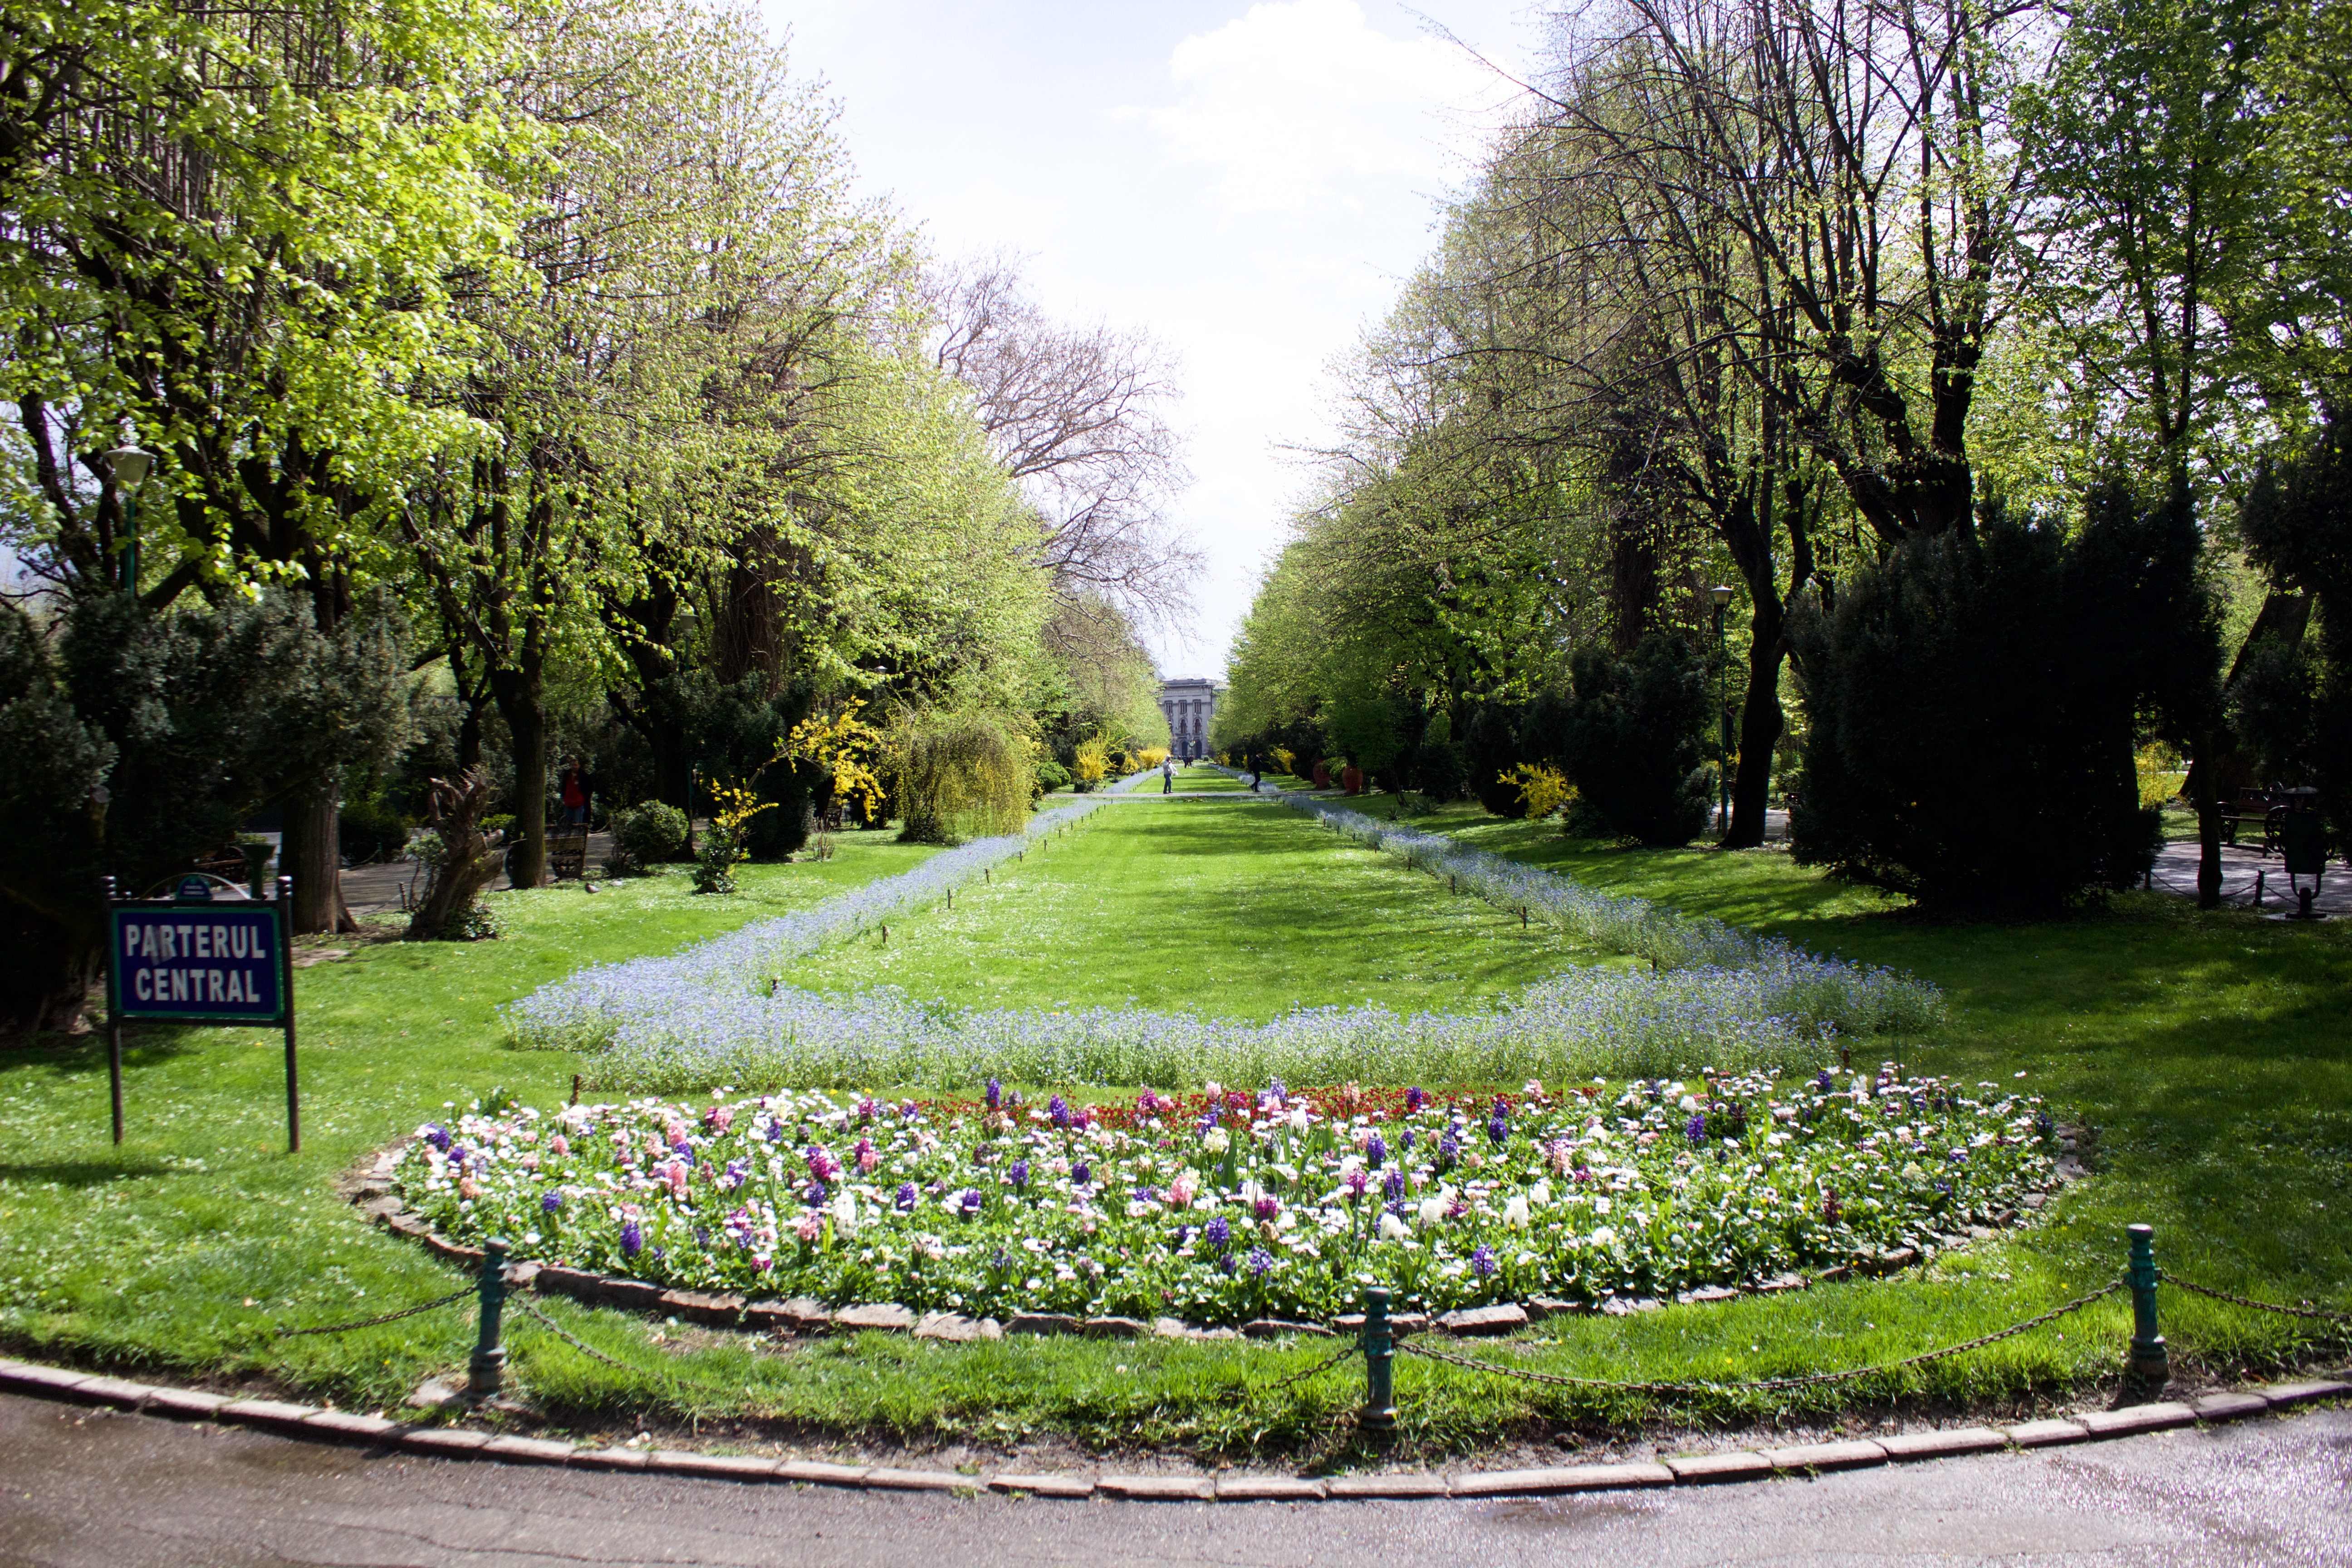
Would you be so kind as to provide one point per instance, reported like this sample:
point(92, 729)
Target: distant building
point(1190, 701)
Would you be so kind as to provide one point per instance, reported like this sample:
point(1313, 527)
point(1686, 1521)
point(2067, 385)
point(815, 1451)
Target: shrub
point(1490, 751)
point(644, 838)
point(1092, 764)
point(721, 847)
point(1437, 769)
point(1051, 777)
point(1972, 705)
point(1629, 730)
point(371, 831)
point(1541, 790)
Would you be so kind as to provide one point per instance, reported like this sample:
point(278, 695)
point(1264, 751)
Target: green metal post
point(487, 1370)
point(1379, 1363)
point(2149, 1363)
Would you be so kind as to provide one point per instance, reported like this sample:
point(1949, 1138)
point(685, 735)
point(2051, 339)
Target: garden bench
point(2254, 810)
point(567, 854)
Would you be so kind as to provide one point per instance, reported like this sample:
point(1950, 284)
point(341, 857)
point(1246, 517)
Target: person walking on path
point(1167, 775)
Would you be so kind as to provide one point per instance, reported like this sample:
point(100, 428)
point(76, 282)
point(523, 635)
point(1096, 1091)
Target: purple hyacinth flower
point(1147, 1194)
point(1404, 1145)
point(1225, 1263)
point(995, 1094)
point(1217, 1233)
point(1498, 1130)
point(816, 1196)
point(972, 1201)
point(1392, 1184)
point(1482, 1262)
point(1081, 1174)
point(1267, 1207)
point(1376, 1151)
point(1017, 1172)
point(1696, 1128)
point(1448, 1150)
point(906, 1201)
point(775, 1132)
point(1260, 1261)
point(1414, 1099)
point(552, 1203)
point(438, 1136)
point(633, 1240)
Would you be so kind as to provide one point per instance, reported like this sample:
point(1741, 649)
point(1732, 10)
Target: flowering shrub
point(1220, 1207)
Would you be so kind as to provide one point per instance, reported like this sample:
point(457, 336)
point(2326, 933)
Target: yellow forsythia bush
point(1543, 789)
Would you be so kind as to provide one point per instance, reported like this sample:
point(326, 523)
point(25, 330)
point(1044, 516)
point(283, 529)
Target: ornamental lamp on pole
point(1721, 595)
point(128, 467)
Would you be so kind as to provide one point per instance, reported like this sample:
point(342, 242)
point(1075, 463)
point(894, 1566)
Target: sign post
point(191, 961)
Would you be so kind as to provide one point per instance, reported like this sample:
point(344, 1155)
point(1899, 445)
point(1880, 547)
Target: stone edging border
point(1806, 1459)
point(372, 1191)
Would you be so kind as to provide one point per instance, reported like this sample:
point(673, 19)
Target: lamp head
point(1720, 594)
point(129, 466)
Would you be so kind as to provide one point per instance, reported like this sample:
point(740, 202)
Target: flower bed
point(1218, 1207)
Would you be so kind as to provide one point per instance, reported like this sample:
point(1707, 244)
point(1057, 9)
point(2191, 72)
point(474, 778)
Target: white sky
point(1249, 183)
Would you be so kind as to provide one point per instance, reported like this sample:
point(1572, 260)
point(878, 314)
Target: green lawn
point(1244, 908)
point(2209, 1049)
point(1195, 776)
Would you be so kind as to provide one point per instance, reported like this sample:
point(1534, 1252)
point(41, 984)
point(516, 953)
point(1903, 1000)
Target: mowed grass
point(1197, 776)
point(2209, 1050)
point(1241, 910)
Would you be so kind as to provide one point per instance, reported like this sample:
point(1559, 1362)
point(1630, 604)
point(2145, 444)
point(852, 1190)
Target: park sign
point(204, 963)
point(190, 959)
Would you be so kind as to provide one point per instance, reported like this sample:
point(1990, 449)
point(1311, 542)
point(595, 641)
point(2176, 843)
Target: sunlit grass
point(2209, 1049)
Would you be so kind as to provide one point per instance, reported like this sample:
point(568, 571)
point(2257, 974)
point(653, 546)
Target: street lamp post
point(1722, 598)
point(128, 467)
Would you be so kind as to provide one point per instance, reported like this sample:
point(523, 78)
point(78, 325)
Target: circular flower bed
point(1218, 1207)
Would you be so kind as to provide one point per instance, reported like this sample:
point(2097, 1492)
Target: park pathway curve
point(83, 1486)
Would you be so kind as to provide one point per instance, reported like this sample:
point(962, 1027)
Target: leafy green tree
point(235, 236)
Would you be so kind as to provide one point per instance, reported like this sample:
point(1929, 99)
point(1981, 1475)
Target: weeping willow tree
point(960, 776)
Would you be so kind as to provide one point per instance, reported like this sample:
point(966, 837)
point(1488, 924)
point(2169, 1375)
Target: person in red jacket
point(573, 790)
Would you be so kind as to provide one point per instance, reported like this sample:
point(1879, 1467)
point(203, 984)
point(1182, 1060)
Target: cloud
point(1298, 100)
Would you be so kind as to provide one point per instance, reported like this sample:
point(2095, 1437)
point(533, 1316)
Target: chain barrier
point(1345, 1353)
point(2321, 1314)
point(452, 1297)
point(1807, 1380)
point(530, 1310)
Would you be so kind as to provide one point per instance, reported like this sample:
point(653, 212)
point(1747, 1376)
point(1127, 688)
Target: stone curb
point(29, 1379)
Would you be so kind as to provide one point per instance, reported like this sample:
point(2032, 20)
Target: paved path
point(2176, 872)
point(371, 890)
point(83, 1486)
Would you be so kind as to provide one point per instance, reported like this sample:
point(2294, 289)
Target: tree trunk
point(310, 851)
point(1760, 723)
point(2206, 796)
point(50, 990)
point(522, 700)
